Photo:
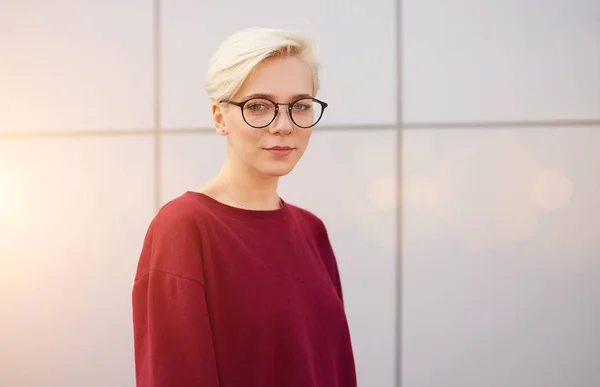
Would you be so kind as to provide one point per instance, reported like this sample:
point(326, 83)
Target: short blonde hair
point(239, 55)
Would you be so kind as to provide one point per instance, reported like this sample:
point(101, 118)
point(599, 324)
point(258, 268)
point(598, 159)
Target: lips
point(280, 151)
point(281, 148)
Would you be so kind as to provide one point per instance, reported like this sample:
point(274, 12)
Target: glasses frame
point(277, 105)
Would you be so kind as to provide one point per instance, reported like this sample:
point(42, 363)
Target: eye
point(256, 107)
point(302, 106)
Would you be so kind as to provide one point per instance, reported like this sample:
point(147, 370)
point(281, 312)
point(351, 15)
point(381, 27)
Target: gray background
point(457, 169)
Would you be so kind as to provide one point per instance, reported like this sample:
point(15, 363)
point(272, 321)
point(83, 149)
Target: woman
point(235, 287)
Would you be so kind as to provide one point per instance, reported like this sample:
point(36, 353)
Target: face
point(274, 150)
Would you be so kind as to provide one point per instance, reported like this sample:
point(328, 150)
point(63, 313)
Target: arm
point(172, 333)
point(329, 258)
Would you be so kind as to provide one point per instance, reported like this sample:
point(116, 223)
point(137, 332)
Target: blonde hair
point(238, 56)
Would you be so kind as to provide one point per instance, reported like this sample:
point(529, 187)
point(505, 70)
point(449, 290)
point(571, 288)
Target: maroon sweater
point(227, 297)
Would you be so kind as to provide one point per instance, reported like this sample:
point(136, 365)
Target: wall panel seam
point(159, 129)
point(157, 117)
point(399, 146)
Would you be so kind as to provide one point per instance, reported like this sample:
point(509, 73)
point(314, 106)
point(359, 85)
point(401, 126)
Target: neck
point(248, 189)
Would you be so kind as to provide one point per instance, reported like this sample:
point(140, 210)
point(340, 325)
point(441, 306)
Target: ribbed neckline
point(237, 212)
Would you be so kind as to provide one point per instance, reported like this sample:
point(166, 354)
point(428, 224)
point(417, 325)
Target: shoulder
point(181, 214)
point(173, 241)
point(308, 217)
point(314, 223)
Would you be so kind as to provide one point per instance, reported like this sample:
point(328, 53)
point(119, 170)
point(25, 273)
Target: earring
point(222, 130)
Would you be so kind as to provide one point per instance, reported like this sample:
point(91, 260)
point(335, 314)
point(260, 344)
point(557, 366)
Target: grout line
point(399, 148)
point(76, 133)
point(425, 125)
point(157, 129)
point(157, 104)
point(502, 124)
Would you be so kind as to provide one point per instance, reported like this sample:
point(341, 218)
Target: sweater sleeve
point(329, 257)
point(172, 334)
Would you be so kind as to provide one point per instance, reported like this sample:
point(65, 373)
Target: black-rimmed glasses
point(261, 112)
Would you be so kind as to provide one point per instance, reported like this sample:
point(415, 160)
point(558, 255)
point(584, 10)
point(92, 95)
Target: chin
point(277, 170)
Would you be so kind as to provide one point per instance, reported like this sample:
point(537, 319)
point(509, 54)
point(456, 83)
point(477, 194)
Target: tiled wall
point(485, 116)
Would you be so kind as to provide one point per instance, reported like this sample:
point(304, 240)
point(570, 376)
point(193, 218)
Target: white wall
point(499, 117)
point(501, 174)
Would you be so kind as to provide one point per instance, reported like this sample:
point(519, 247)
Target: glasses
point(261, 112)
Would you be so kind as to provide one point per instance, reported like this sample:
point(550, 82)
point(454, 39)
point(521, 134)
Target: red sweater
point(227, 297)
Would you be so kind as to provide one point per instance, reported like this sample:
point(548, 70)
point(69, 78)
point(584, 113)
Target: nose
point(283, 123)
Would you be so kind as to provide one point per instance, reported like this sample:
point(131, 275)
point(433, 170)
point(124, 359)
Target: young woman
point(236, 287)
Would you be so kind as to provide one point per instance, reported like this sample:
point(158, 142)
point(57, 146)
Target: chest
point(254, 281)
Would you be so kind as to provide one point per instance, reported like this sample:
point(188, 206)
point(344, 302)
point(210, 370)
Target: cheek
point(245, 141)
point(302, 141)
point(304, 137)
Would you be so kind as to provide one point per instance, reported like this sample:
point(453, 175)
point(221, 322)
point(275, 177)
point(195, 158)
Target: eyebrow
point(272, 97)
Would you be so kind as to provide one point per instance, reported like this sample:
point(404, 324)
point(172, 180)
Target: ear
point(219, 119)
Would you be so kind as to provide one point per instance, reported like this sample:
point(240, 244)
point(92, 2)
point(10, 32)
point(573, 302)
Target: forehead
point(282, 78)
